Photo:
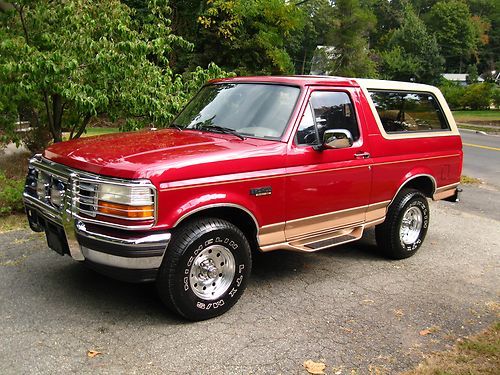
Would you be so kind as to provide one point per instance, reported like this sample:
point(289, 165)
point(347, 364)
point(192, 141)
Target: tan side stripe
point(188, 185)
point(317, 224)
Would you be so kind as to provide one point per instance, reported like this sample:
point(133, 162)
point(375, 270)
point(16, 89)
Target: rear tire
point(205, 269)
point(404, 229)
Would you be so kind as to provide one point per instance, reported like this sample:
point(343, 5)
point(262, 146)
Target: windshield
point(250, 109)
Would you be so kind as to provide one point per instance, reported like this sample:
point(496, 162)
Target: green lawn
point(485, 116)
point(99, 131)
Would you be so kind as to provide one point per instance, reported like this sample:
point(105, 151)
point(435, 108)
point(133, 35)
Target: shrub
point(454, 94)
point(478, 96)
point(475, 96)
point(11, 195)
point(496, 97)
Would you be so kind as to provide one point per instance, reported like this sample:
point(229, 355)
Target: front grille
point(86, 198)
point(58, 188)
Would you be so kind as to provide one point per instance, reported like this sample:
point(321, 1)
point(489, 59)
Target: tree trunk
point(82, 127)
point(57, 112)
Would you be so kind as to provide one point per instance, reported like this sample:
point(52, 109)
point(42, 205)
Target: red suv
point(250, 164)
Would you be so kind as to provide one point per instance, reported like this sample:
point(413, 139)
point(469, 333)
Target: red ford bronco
point(254, 163)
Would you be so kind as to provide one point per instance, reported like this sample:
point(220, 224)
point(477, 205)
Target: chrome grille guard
point(71, 215)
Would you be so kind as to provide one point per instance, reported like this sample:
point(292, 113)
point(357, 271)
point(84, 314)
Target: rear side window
point(402, 112)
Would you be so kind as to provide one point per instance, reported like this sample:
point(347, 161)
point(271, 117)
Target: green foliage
point(248, 36)
point(495, 96)
point(11, 195)
point(455, 31)
point(475, 96)
point(398, 65)
point(319, 26)
point(413, 53)
point(66, 62)
point(472, 74)
point(478, 96)
point(351, 41)
point(453, 94)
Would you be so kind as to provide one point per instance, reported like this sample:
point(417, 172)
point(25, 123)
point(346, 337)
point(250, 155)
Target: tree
point(319, 25)
point(455, 31)
point(390, 15)
point(413, 53)
point(487, 17)
point(248, 36)
point(350, 40)
point(472, 74)
point(67, 62)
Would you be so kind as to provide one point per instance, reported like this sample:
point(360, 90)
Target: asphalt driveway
point(346, 307)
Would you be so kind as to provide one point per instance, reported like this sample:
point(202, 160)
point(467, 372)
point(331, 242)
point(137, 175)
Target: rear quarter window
point(404, 112)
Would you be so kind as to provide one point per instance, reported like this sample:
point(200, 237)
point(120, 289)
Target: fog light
point(57, 194)
point(41, 188)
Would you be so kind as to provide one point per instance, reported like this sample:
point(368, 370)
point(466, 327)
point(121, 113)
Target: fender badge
point(261, 191)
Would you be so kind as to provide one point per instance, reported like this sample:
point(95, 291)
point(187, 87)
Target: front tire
point(404, 229)
point(205, 269)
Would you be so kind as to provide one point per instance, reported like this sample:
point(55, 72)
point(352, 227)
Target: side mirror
point(335, 138)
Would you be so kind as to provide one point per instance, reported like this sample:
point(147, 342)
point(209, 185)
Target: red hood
point(166, 155)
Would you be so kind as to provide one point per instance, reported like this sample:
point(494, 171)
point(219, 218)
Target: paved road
point(346, 306)
point(482, 156)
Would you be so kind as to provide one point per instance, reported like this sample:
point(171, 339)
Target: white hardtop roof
point(394, 85)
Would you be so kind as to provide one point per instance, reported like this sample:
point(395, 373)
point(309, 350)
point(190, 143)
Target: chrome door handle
point(362, 155)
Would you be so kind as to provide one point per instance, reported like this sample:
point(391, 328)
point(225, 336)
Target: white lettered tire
point(205, 269)
point(405, 226)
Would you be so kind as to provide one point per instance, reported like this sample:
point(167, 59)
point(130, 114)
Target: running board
point(325, 240)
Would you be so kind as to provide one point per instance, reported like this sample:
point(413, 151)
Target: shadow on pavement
point(68, 286)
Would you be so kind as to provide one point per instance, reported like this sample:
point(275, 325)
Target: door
point(330, 188)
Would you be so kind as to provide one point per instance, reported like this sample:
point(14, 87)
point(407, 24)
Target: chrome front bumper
point(105, 249)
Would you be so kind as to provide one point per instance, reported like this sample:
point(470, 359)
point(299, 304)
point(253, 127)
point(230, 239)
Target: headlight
point(132, 202)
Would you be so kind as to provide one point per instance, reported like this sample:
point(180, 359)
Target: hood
point(150, 154)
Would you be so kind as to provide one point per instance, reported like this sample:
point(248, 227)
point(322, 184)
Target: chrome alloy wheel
point(212, 272)
point(411, 225)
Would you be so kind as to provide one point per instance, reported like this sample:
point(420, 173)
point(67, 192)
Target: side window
point(408, 111)
point(327, 110)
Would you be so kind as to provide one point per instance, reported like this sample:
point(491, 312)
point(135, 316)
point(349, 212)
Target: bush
point(454, 94)
point(496, 97)
point(11, 195)
point(475, 96)
point(478, 96)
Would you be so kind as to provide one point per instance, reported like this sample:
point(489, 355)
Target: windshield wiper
point(220, 129)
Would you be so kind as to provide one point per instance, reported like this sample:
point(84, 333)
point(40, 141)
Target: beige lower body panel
point(445, 191)
point(321, 231)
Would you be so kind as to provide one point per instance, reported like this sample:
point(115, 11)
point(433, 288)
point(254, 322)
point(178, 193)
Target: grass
point(99, 131)
point(479, 128)
point(13, 222)
point(91, 131)
point(491, 116)
point(466, 180)
point(479, 354)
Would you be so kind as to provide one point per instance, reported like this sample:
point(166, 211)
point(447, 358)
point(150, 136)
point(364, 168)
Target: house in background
point(461, 79)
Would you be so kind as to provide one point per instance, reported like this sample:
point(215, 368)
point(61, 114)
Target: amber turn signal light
point(126, 211)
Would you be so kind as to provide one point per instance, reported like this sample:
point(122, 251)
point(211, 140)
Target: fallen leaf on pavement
point(315, 368)
point(425, 332)
point(398, 313)
point(93, 353)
